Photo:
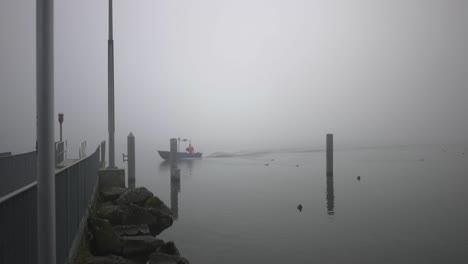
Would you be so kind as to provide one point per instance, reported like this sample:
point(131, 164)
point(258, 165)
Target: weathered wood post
point(173, 154)
point(103, 154)
point(329, 154)
point(131, 160)
point(330, 196)
point(175, 171)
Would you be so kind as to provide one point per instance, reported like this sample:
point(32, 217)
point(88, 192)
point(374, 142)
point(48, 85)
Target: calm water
point(237, 210)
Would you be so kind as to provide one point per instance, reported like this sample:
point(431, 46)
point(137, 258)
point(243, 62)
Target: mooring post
point(131, 160)
point(103, 154)
point(329, 154)
point(330, 196)
point(46, 231)
point(173, 154)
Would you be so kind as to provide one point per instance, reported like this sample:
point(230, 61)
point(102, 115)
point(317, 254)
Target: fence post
point(131, 159)
point(173, 154)
point(329, 154)
point(46, 240)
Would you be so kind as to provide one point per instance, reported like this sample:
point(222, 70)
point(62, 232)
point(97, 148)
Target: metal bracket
point(124, 157)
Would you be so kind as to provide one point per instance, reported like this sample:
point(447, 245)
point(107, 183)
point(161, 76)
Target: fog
point(233, 75)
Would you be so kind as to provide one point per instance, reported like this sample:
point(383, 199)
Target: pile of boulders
point(124, 225)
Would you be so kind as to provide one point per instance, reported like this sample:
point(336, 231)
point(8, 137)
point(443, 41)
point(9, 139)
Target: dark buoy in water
point(299, 207)
point(421, 160)
point(297, 165)
point(358, 178)
point(272, 160)
point(266, 164)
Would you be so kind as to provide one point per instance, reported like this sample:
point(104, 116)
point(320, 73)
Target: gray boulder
point(106, 240)
point(161, 258)
point(162, 223)
point(131, 230)
point(136, 215)
point(138, 245)
point(169, 248)
point(111, 193)
point(113, 213)
point(161, 210)
point(134, 195)
point(109, 259)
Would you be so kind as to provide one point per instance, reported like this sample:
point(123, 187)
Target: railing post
point(329, 154)
point(131, 160)
point(46, 241)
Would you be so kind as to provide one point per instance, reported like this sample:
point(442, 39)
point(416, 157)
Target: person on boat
point(190, 149)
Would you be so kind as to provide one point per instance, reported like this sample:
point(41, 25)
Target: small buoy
point(272, 160)
point(421, 160)
point(358, 178)
point(266, 164)
point(297, 165)
point(299, 207)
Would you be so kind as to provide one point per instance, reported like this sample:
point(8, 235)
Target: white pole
point(45, 132)
point(110, 95)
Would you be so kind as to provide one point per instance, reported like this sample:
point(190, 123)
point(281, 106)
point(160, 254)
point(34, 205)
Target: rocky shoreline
point(122, 229)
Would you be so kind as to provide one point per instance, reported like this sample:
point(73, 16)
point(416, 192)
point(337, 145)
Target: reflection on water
point(330, 196)
point(184, 165)
point(175, 189)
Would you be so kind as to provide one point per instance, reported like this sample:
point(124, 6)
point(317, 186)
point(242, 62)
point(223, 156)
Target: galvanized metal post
point(330, 154)
point(110, 95)
point(131, 160)
point(46, 240)
point(173, 154)
point(60, 119)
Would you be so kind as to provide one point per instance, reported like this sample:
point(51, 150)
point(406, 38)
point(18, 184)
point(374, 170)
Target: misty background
point(233, 75)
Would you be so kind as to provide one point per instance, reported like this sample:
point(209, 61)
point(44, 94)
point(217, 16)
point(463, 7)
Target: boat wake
point(260, 153)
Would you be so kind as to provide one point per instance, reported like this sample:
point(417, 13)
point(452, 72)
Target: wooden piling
point(329, 154)
point(131, 160)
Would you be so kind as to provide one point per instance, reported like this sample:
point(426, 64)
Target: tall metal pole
point(46, 249)
point(110, 95)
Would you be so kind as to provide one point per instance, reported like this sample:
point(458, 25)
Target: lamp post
point(46, 232)
point(110, 95)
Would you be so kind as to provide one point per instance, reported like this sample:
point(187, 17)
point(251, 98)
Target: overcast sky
point(234, 74)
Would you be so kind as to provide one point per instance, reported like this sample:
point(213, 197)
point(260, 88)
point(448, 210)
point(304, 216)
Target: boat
point(180, 155)
point(166, 155)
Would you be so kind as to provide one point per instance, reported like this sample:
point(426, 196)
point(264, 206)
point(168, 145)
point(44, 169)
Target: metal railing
point(74, 187)
point(16, 172)
point(59, 152)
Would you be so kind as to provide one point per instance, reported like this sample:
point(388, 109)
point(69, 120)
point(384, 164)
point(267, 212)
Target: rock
point(138, 245)
point(153, 202)
point(106, 240)
point(131, 230)
point(113, 213)
point(161, 258)
point(134, 195)
point(161, 210)
point(111, 193)
point(110, 259)
point(136, 215)
point(162, 223)
point(169, 248)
